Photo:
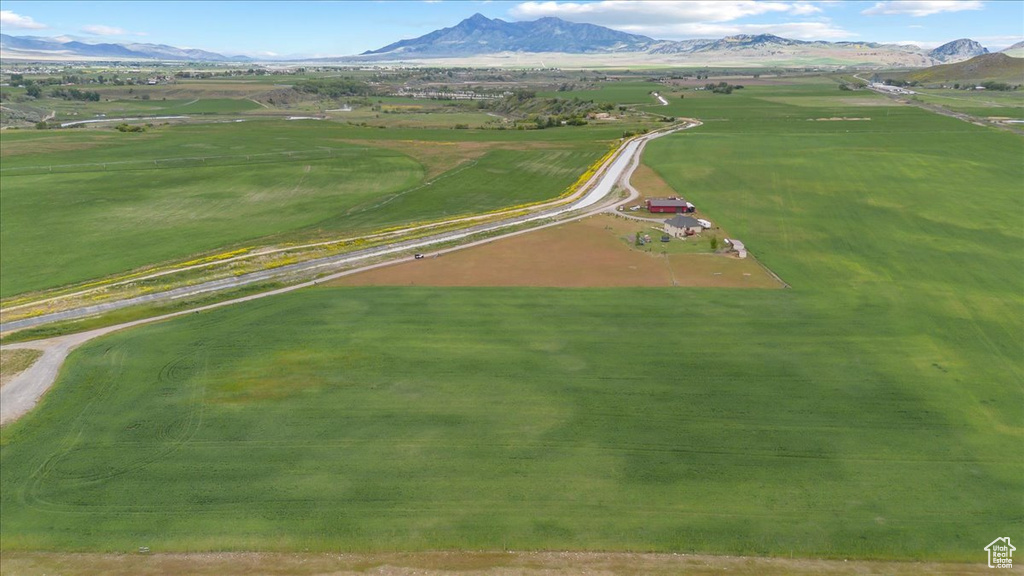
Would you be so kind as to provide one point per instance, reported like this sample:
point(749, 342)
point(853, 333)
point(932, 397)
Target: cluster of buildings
point(878, 86)
point(682, 225)
point(450, 95)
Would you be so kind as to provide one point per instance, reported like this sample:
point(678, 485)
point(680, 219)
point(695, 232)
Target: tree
point(34, 91)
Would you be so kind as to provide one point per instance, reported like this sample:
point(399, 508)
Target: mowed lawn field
point(82, 205)
point(873, 410)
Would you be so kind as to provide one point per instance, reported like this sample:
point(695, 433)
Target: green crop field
point(377, 419)
point(873, 410)
point(73, 202)
point(157, 107)
point(210, 106)
point(976, 102)
point(613, 92)
point(499, 178)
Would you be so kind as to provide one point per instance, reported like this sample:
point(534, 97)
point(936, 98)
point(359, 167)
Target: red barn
point(670, 205)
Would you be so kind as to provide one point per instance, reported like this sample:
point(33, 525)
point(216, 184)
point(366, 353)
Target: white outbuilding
point(737, 247)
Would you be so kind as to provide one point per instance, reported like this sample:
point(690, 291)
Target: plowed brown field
point(587, 253)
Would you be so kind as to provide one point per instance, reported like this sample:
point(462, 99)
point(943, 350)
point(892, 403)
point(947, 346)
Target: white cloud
point(794, 30)
point(698, 19)
point(996, 43)
point(926, 44)
point(101, 30)
point(804, 9)
point(621, 13)
point(919, 8)
point(9, 18)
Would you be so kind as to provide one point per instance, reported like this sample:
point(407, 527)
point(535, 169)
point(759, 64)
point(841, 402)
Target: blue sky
point(343, 28)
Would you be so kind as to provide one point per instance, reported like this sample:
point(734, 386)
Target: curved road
point(23, 392)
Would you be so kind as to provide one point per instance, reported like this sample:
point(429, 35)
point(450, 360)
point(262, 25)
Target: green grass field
point(976, 102)
point(197, 106)
point(169, 107)
point(73, 202)
point(612, 92)
point(498, 178)
point(376, 419)
point(874, 410)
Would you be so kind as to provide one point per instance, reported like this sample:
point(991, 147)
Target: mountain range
point(35, 47)
point(479, 36)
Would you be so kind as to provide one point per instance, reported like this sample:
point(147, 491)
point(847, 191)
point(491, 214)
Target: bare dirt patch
point(14, 362)
point(838, 119)
point(460, 563)
point(592, 252)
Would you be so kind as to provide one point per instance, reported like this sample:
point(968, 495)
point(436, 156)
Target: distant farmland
point(873, 410)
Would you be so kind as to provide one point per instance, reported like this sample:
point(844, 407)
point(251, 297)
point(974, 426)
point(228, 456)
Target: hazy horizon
point(323, 29)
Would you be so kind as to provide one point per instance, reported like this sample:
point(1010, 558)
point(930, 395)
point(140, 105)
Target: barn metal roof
point(668, 202)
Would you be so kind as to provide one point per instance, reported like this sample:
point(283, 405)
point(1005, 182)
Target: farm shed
point(737, 246)
point(669, 205)
point(682, 226)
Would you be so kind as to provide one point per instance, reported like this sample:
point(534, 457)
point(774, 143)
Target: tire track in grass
point(427, 184)
point(48, 473)
point(30, 493)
